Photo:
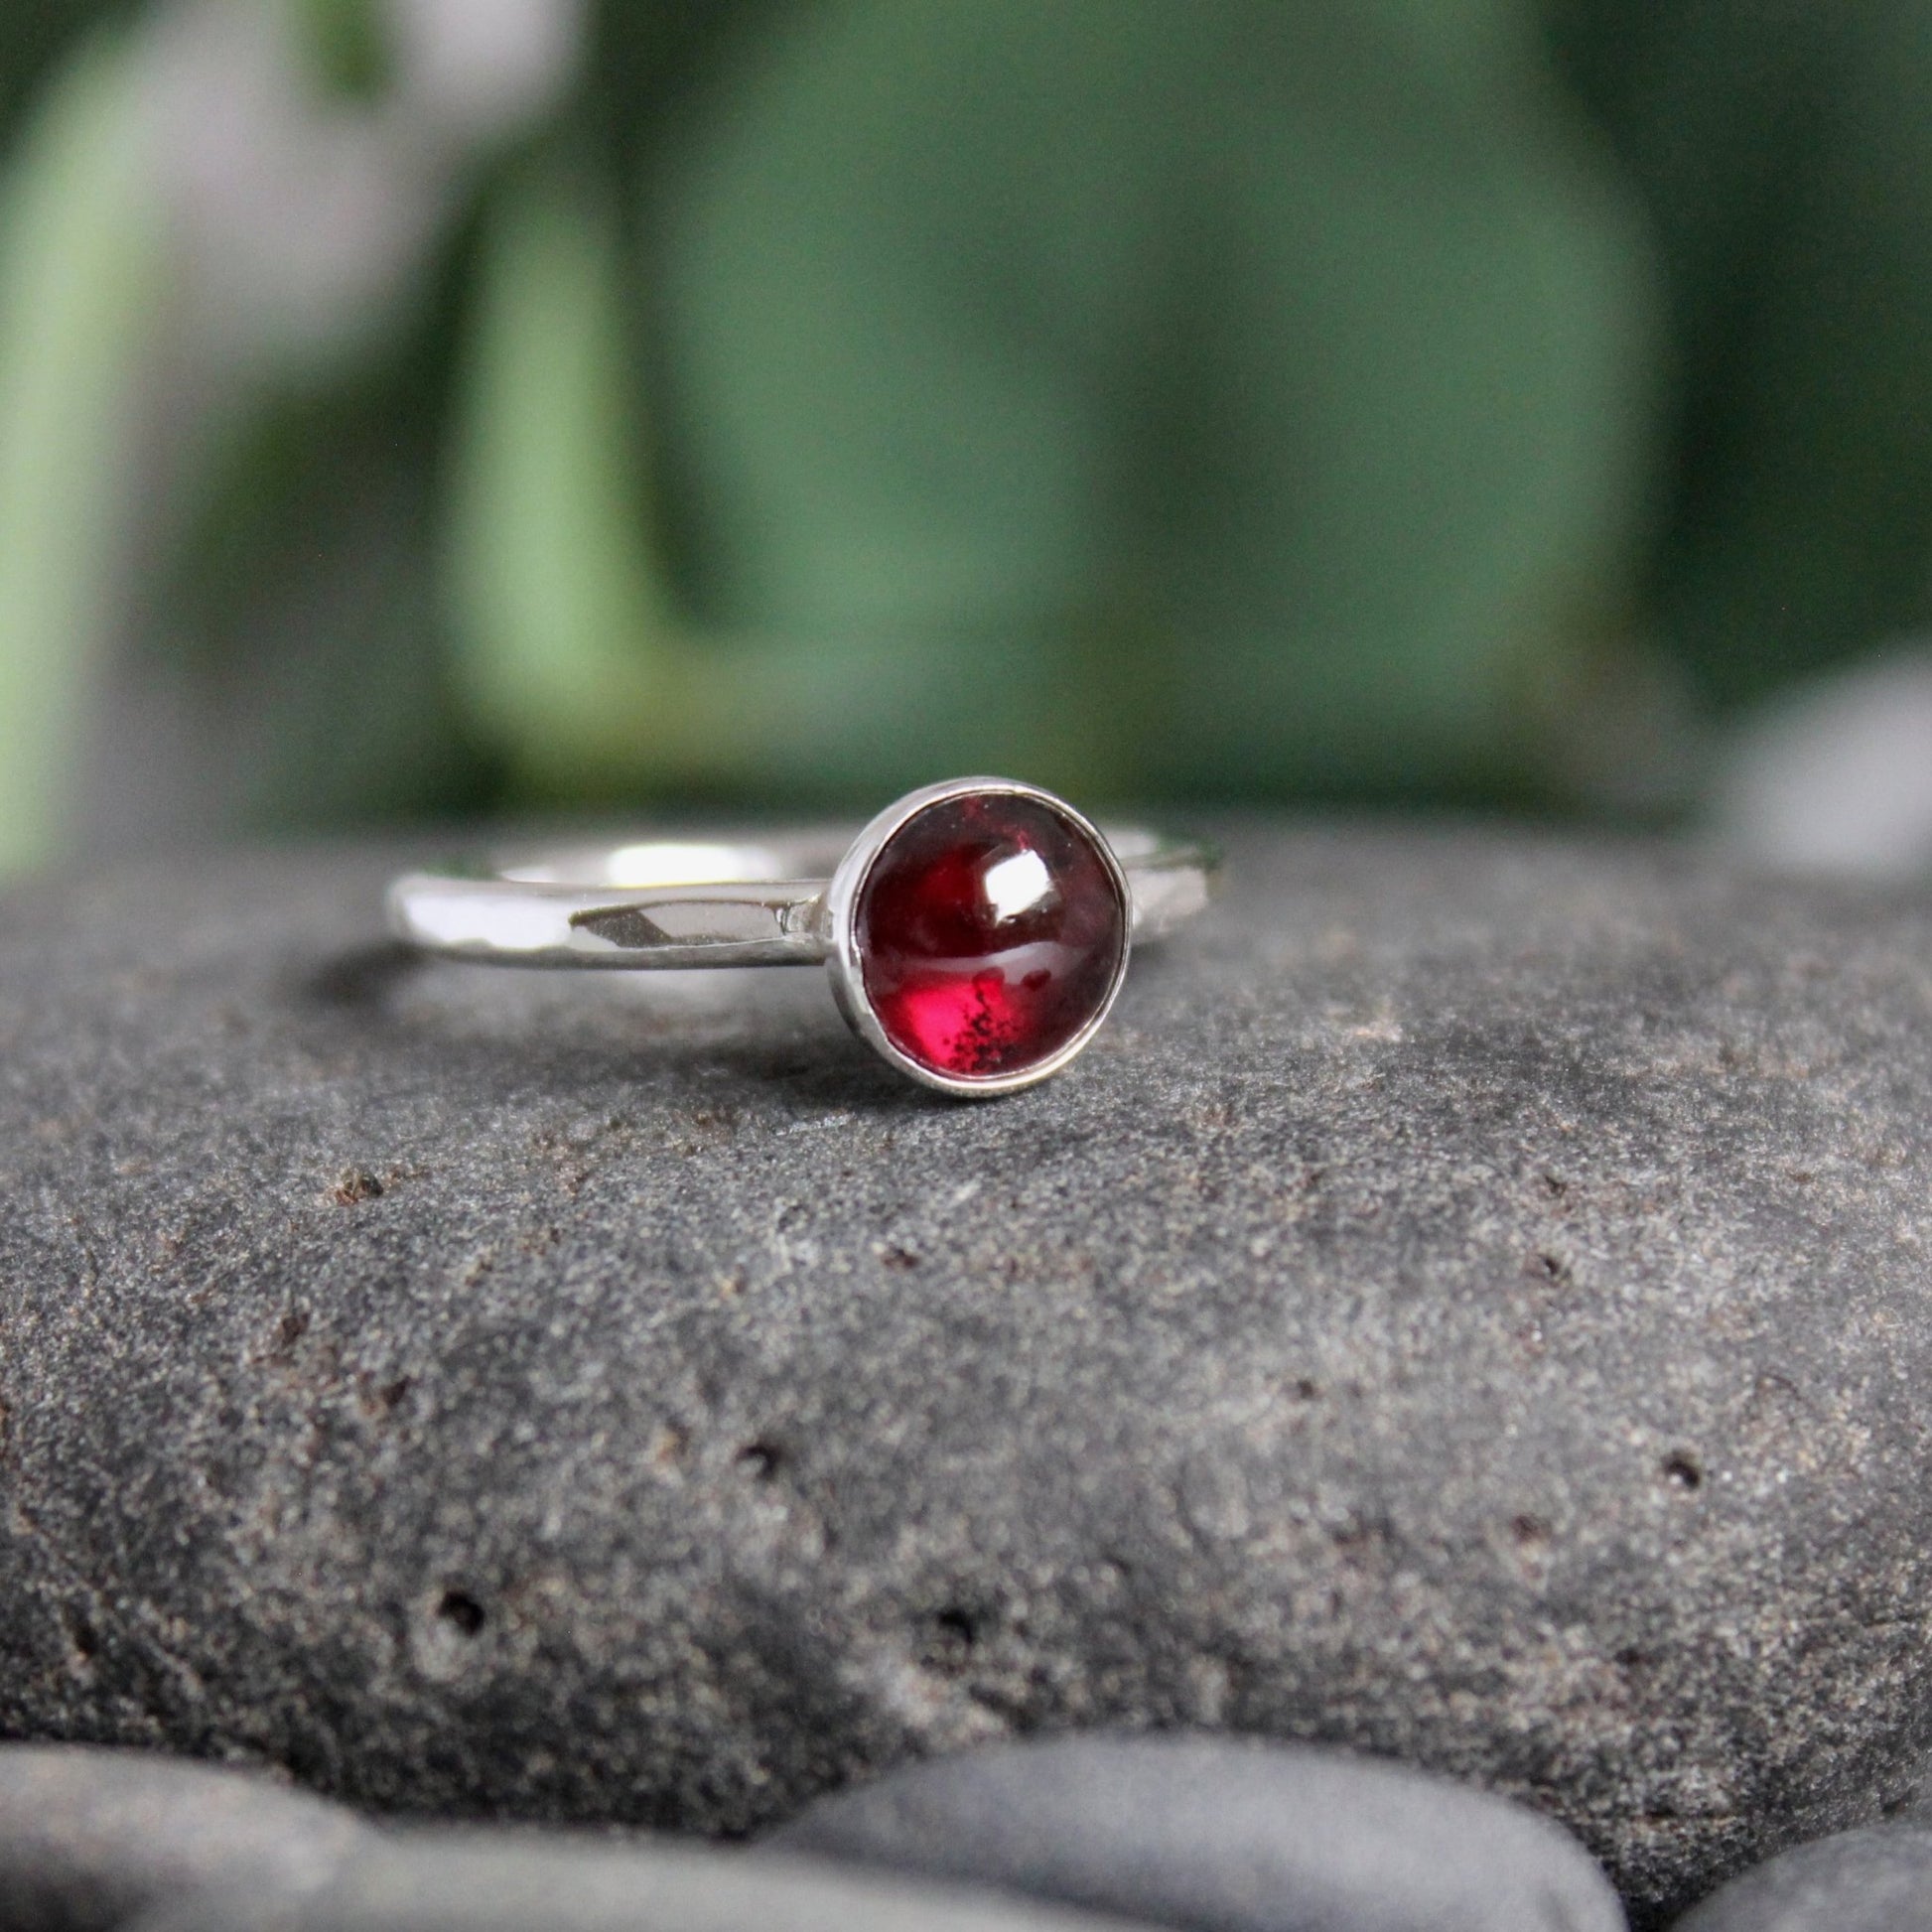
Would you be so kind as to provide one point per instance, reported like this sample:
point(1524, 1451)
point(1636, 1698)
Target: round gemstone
point(990, 932)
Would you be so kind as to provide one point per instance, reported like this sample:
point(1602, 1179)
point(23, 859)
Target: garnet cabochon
point(990, 930)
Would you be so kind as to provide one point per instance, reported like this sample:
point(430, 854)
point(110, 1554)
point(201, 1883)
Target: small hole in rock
point(1682, 1470)
point(1529, 1530)
point(82, 1639)
point(292, 1326)
point(462, 1612)
point(761, 1460)
point(959, 1625)
point(950, 1637)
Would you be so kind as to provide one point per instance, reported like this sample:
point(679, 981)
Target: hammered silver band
point(685, 903)
point(1025, 973)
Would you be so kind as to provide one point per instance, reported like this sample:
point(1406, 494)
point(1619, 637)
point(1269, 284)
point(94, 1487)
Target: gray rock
point(1470, 1305)
point(453, 1883)
point(88, 1837)
point(1219, 1835)
point(1858, 1882)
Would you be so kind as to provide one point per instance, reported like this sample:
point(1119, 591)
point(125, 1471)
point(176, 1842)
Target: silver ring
point(976, 932)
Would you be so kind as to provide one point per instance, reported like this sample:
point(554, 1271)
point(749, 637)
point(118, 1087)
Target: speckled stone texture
point(1472, 1303)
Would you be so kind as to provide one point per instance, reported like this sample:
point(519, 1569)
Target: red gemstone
point(991, 931)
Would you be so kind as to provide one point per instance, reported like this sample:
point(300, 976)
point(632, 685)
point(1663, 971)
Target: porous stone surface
point(1472, 1303)
point(90, 1837)
point(1218, 1836)
point(1876, 1880)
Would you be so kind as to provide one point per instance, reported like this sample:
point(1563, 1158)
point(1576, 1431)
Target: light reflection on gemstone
point(1016, 884)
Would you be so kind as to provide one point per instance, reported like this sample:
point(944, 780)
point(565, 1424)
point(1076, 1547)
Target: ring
point(976, 932)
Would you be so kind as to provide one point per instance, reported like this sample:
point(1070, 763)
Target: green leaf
point(560, 622)
point(80, 272)
point(348, 46)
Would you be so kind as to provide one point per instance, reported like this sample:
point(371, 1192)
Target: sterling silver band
point(682, 903)
point(992, 979)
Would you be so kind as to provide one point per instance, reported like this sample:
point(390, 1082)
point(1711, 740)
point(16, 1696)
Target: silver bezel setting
point(845, 968)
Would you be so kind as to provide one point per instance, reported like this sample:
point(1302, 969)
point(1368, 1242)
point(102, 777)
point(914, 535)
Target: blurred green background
point(418, 408)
